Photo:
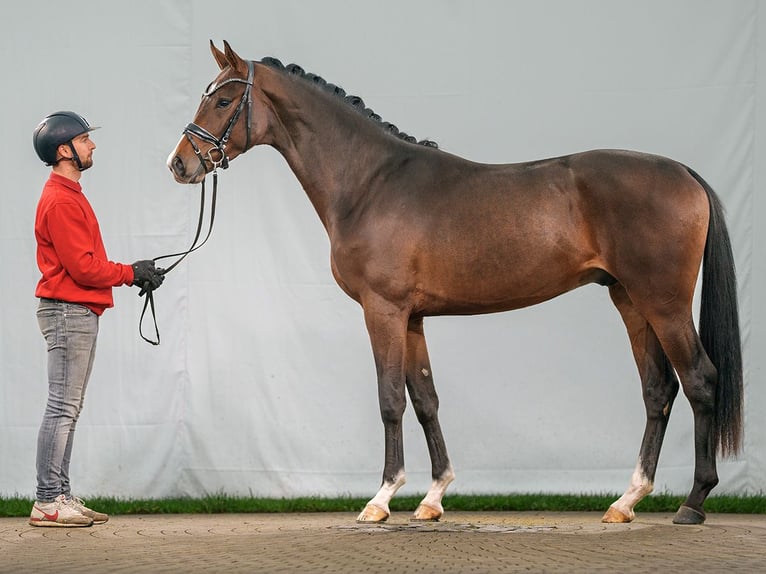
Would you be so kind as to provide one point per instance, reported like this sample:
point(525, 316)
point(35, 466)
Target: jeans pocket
point(51, 322)
point(46, 311)
point(75, 310)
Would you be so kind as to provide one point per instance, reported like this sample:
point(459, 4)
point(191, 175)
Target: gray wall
point(264, 381)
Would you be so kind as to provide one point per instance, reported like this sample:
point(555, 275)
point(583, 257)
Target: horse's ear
point(234, 60)
point(219, 56)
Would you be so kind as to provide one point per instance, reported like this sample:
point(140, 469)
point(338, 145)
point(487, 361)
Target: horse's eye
point(223, 103)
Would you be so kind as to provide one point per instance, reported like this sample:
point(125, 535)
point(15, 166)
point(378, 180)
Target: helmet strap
point(75, 158)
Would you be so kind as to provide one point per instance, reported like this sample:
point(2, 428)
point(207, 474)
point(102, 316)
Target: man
point(74, 290)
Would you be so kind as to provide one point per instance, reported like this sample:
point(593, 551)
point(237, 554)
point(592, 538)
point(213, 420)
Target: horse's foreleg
point(425, 401)
point(387, 330)
point(659, 387)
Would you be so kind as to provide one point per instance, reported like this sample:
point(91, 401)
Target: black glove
point(146, 276)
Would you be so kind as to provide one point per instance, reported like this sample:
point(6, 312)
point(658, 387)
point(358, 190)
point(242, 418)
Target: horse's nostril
point(177, 165)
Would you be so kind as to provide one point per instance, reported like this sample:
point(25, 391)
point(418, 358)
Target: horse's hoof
point(614, 516)
point(687, 515)
point(372, 513)
point(427, 513)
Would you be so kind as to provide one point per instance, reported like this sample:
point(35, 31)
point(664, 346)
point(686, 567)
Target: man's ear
point(60, 151)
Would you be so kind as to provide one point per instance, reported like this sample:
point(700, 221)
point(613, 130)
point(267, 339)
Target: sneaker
point(57, 513)
point(97, 517)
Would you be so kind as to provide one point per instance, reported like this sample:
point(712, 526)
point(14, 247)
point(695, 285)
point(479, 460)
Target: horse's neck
point(331, 148)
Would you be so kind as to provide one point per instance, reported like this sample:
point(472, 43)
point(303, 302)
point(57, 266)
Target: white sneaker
point(57, 513)
point(79, 506)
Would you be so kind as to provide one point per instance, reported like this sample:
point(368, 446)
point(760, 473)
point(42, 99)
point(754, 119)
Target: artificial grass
point(223, 503)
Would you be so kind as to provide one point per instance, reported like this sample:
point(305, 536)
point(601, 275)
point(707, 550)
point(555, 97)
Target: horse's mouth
point(195, 178)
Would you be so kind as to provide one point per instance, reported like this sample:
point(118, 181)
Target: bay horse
point(415, 232)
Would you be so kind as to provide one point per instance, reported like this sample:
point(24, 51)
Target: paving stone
point(463, 542)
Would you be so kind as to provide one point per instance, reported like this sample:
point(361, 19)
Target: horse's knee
point(392, 398)
point(426, 409)
point(392, 410)
point(423, 395)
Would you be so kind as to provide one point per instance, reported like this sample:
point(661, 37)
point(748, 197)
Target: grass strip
point(223, 503)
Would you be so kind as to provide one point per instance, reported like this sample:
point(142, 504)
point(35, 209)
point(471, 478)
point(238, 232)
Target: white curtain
point(264, 382)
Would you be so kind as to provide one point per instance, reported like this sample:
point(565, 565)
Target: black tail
point(719, 327)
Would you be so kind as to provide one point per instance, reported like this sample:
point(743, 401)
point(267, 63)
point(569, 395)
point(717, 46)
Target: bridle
point(219, 145)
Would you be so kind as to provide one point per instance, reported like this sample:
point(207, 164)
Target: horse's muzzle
point(180, 171)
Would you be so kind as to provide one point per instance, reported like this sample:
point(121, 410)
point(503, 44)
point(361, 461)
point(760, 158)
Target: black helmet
point(56, 129)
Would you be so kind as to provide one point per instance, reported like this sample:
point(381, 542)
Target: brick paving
point(463, 542)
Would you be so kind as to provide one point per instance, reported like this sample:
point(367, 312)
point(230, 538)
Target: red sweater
point(70, 251)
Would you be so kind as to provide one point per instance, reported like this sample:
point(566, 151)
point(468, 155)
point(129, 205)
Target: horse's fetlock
point(708, 480)
point(448, 475)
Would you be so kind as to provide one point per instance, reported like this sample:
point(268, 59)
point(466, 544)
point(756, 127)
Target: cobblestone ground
point(462, 543)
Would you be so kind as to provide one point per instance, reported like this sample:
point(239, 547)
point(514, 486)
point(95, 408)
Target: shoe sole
point(96, 520)
point(50, 523)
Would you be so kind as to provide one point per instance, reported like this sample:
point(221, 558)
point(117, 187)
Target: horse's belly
point(500, 290)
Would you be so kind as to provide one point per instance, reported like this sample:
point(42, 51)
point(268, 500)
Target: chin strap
point(75, 158)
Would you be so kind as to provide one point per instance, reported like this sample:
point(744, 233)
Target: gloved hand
point(146, 276)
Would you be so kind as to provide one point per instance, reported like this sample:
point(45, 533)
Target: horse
point(415, 232)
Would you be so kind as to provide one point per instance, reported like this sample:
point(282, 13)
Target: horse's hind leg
point(425, 401)
point(698, 379)
point(659, 386)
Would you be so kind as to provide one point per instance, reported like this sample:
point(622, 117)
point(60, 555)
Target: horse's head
point(222, 129)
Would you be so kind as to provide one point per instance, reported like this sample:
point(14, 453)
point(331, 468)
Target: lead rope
point(147, 288)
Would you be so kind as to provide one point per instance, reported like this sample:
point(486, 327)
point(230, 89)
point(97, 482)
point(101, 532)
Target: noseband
point(219, 144)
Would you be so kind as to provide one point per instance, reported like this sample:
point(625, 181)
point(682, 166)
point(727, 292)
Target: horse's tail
point(719, 327)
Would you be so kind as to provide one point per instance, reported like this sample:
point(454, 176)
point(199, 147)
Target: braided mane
point(354, 101)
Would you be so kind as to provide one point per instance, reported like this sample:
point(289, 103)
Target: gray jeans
point(70, 332)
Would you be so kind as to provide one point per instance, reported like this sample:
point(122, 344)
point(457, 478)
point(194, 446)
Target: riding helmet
point(56, 129)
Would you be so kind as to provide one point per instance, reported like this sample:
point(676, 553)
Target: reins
point(147, 290)
point(218, 146)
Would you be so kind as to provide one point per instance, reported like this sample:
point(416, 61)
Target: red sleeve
point(80, 249)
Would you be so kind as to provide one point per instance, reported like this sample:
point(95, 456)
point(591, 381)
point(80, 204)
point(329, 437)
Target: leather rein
point(219, 147)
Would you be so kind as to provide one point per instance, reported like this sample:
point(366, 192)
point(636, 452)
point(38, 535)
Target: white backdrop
point(264, 382)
